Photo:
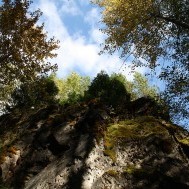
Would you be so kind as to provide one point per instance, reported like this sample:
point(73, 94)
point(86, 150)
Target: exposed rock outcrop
point(92, 147)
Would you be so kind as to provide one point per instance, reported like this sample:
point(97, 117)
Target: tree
point(152, 29)
point(25, 46)
point(37, 93)
point(99, 86)
point(110, 90)
point(142, 88)
point(71, 89)
point(138, 87)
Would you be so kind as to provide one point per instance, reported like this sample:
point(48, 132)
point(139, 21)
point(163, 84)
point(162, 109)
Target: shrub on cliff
point(111, 91)
point(36, 93)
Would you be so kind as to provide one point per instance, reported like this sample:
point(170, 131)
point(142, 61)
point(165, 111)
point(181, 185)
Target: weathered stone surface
point(92, 148)
point(9, 163)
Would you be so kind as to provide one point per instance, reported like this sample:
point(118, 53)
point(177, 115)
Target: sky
point(76, 23)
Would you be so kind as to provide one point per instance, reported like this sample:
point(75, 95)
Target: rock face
point(91, 147)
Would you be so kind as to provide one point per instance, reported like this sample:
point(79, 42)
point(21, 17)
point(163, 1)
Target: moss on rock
point(136, 129)
point(112, 173)
point(184, 141)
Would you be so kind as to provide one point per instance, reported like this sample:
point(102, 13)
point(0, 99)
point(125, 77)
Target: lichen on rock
point(88, 147)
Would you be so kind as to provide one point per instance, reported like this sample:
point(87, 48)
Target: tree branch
point(172, 20)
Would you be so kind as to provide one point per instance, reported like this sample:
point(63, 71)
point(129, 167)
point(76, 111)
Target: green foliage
point(141, 87)
point(178, 103)
point(40, 92)
point(152, 26)
point(149, 30)
point(25, 46)
point(99, 86)
point(138, 87)
point(111, 91)
point(72, 88)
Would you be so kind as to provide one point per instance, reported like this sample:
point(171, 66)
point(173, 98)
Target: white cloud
point(52, 19)
point(70, 7)
point(92, 17)
point(83, 57)
point(77, 53)
point(96, 36)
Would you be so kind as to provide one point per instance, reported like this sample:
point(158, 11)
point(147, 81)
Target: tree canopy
point(72, 88)
point(38, 93)
point(112, 88)
point(138, 87)
point(150, 30)
point(25, 46)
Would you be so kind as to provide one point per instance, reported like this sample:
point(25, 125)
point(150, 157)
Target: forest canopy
point(76, 88)
point(25, 46)
point(112, 90)
point(156, 34)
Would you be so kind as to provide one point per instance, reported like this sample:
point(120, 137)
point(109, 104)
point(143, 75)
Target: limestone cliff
point(90, 146)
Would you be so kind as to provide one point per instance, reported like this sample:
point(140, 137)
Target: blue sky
point(76, 24)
